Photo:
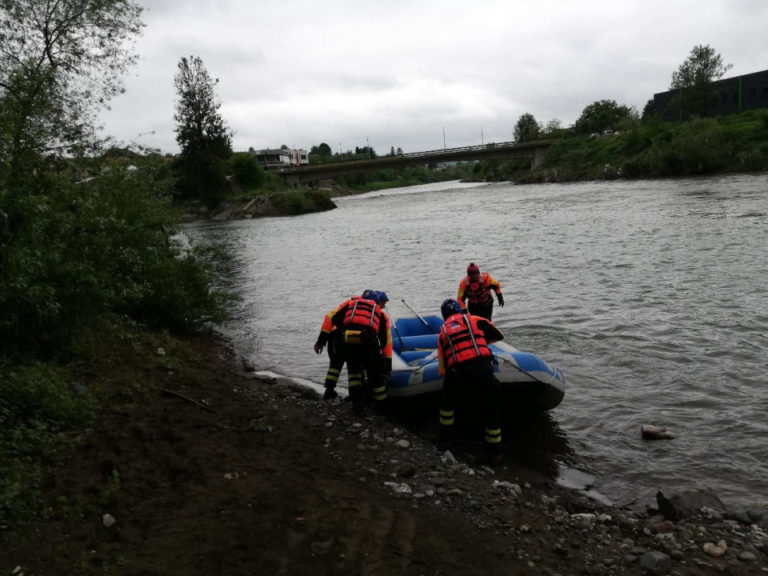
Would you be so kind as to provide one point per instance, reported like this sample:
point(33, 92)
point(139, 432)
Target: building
point(280, 158)
point(737, 94)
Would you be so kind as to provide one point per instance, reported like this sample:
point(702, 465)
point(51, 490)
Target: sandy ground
point(208, 470)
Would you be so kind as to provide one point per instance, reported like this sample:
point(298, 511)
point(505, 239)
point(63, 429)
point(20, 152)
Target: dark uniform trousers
point(473, 377)
point(484, 309)
point(336, 357)
point(363, 356)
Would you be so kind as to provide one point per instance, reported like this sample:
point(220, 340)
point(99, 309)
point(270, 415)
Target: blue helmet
point(450, 307)
point(382, 297)
point(368, 295)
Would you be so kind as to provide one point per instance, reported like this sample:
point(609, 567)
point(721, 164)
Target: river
point(651, 296)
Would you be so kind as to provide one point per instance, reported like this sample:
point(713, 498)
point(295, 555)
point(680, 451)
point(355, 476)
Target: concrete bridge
point(535, 151)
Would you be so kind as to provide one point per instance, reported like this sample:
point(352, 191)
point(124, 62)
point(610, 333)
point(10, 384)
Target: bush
point(92, 248)
point(301, 201)
point(246, 171)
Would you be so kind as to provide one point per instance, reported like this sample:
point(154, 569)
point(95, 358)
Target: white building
point(272, 159)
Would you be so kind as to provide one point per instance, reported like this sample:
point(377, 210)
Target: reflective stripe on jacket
point(461, 340)
point(478, 292)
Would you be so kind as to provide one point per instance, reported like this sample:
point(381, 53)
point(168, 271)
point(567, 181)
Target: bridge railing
point(442, 151)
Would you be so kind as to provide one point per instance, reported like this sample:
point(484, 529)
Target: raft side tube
point(420, 342)
point(410, 326)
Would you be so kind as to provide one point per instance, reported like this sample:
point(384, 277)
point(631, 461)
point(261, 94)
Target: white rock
point(108, 520)
point(713, 550)
point(513, 488)
point(399, 488)
point(584, 517)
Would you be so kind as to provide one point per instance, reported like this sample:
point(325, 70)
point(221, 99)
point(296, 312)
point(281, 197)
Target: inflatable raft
point(527, 382)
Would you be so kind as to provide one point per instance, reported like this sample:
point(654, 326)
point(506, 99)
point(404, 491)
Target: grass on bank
point(649, 149)
point(90, 266)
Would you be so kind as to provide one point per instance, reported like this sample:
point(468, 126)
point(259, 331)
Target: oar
point(419, 317)
point(393, 325)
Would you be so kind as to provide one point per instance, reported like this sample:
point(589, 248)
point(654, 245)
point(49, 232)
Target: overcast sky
point(418, 74)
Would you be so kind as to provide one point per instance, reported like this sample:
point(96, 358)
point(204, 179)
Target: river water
point(651, 296)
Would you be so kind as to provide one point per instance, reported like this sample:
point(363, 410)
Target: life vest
point(478, 292)
point(361, 315)
point(462, 340)
point(328, 319)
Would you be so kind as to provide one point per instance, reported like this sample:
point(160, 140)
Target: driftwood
point(188, 399)
point(655, 432)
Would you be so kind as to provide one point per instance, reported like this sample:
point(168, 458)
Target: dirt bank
point(207, 470)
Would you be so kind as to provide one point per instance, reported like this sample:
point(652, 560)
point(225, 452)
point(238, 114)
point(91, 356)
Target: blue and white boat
point(527, 382)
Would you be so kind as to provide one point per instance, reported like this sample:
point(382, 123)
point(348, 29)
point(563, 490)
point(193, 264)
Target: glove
point(501, 299)
point(320, 344)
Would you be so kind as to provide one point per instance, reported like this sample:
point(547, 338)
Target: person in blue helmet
point(338, 354)
point(330, 336)
point(466, 362)
point(382, 299)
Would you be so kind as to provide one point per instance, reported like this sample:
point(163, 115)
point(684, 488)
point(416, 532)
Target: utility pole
point(444, 148)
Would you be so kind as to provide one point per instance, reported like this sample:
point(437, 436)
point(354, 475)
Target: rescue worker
point(382, 299)
point(330, 336)
point(466, 364)
point(365, 336)
point(476, 288)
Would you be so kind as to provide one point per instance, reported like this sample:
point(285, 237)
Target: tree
point(603, 115)
point(526, 128)
point(552, 126)
point(60, 63)
point(322, 150)
point(202, 134)
point(246, 170)
point(649, 112)
point(693, 81)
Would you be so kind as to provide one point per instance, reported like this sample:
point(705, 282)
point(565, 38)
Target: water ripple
point(650, 296)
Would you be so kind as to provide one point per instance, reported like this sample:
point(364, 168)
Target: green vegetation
point(409, 176)
point(84, 260)
point(203, 137)
point(733, 143)
point(646, 149)
point(526, 128)
point(89, 258)
point(693, 81)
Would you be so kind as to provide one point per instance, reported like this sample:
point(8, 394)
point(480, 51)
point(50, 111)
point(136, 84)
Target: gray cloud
point(399, 73)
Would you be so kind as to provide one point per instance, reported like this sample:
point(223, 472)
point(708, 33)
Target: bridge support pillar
point(538, 157)
point(292, 179)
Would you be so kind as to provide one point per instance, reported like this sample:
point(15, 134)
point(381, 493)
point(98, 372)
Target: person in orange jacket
point(364, 341)
point(466, 363)
point(476, 288)
point(330, 336)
